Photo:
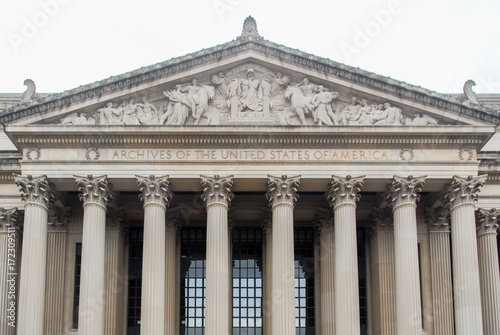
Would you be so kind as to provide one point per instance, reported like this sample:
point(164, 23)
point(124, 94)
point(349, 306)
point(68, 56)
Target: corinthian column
point(267, 226)
point(282, 196)
point(460, 196)
point(114, 272)
point(172, 226)
point(489, 272)
point(156, 196)
point(96, 195)
point(37, 193)
point(327, 272)
point(10, 243)
point(442, 295)
point(382, 272)
point(217, 196)
point(403, 197)
point(343, 196)
point(59, 217)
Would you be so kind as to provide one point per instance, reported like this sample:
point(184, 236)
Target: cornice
point(254, 137)
point(269, 49)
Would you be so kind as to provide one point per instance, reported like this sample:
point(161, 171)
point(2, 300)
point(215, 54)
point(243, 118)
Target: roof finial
point(469, 93)
point(250, 31)
point(30, 91)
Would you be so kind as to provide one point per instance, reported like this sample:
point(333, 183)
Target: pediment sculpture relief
point(249, 96)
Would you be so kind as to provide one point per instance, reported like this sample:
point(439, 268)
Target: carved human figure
point(75, 119)
point(198, 97)
point(251, 92)
point(424, 120)
point(110, 114)
point(147, 112)
point(266, 89)
point(233, 100)
point(278, 84)
point(177, 108)
point(306, 87)
point(298, 104)
point(323, 113)
point(130, 113)
point(350, 112)
point(220, 82)
point(388, 115)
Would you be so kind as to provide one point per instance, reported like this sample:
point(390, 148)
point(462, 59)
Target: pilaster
point(96, 196)
point(11, 221)
point(438, 221)
point(38, 195)
point(459, 196)
point(343, 196)
point(489, 272)
point(217, 195)
point(267, 227)
point(155, 195)
point(282, 196)
point(403, 196)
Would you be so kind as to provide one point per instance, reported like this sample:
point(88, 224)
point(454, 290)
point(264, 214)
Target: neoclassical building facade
point(249, 188)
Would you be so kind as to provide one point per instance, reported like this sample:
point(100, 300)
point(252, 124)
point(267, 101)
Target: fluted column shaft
point(268, 270)
point(217, 196)
point(327, 264)
point(54, 296)
point(489, 271)
point(37, 194)
point(170, 278)
point(115, 278)
point(383, 273)
point(282, 194)
point(459, 197)
point(343, 195)
point(442, 293)
point(156, 196)
point(403, 197)
point(95, 195)
point(10, 246)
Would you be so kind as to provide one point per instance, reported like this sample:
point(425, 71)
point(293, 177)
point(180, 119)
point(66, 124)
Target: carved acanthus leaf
point(324, 220)
point(344, 190)
point(405, 190)
point(59, 216)
point(462, 191)
point(154, 190)
point(94, 189)
point(217, 190)
point(10, 218)
point(35, 190)
point(487, 221)
point(438, 219)
point(282, 190)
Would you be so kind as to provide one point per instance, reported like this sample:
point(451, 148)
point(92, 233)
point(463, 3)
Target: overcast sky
point(436, 44)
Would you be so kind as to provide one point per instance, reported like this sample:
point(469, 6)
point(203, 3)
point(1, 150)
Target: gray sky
point(436, 44)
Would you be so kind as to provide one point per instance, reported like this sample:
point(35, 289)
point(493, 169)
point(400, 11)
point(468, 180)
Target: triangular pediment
point(249, 81)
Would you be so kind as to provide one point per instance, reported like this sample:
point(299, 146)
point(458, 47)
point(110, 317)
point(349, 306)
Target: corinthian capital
point(154, 190)
point(344, 190)
point(324, 220)
point(405, 190)
point(217, 190)
point(35, 190)
point(10, 219)
point(487, 221)
point(462, 191)
point(282, 190)
point(438, 219)
point(94, 190)
point(59, 217)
